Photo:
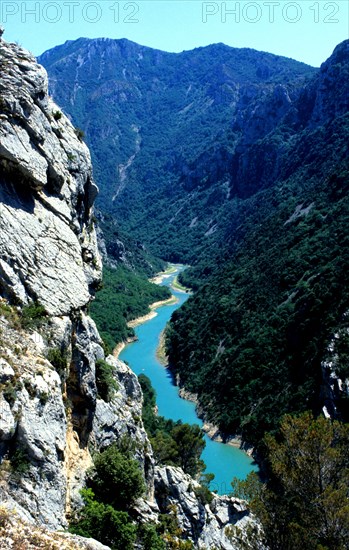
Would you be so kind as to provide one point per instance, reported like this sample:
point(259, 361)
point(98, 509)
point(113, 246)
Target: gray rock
point(7, 421)
point(204, 524)
point(47, 242)
point(6, 371)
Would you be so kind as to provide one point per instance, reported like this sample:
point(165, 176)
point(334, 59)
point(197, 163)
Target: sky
point(306, 30)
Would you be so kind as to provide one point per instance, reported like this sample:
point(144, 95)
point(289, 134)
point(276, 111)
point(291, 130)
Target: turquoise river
point(224, 461)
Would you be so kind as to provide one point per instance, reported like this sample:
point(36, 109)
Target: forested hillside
point(268, 331)
point(165, 130)
point(235, 161)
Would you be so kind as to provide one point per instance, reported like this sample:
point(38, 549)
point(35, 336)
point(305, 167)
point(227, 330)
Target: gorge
point(224, 461)
point(56, 414)
point(236, 162)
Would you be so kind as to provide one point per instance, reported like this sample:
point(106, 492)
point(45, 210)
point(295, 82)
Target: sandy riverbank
point(118, 349)
point(159, 277)
point(176, 285)
point(153, 313)
point(140, 320)
point(160, 350)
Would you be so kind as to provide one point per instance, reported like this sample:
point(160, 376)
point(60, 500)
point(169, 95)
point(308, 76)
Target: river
point(224, 461)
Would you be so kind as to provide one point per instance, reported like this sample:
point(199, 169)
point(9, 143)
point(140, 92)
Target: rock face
point(47, 242)
point(51, 415)
point(14, 533)
point(203, 523)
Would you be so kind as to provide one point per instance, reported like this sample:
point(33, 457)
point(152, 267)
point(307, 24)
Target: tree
point(117, 479)
point(305, 503)
point(165, 449)
point(190, 444)
point(104, 523)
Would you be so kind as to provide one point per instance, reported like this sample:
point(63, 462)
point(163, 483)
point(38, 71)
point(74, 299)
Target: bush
point(32, 315)
point(10, 393)
point(80, 134)
point(20, 462)
point(106, 384)
point(57, 115)
point(117, 479)
point(10, 314)
point(104, 523)
point(149, 537)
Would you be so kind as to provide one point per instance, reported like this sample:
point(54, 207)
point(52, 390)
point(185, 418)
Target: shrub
point(20, 462)
point(149, 537)
point(10, 393)
point(117, 479)
point(104, 523)
point(106, 384)
point(57, 115)
point(80, 134)
point(32, 315)
point(10, 314)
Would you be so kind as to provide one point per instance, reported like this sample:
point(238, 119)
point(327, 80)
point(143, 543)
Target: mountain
point(69, 416)
point(235, 161)
point(267, 331)
point(166, 130)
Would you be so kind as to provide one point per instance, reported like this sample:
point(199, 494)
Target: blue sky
point(306, 30)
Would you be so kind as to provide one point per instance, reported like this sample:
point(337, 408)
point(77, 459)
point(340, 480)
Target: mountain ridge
point(222, 163)
point(176, 107)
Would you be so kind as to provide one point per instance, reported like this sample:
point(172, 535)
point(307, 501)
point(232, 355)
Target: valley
point(230, 161)
point(242, 172)
point(224, 461)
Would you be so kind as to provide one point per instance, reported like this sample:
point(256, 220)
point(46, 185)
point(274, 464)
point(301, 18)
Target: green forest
point(253, 339)
point(125, 295)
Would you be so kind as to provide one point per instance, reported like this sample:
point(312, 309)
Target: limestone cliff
point(48, 243)
point(52, 418)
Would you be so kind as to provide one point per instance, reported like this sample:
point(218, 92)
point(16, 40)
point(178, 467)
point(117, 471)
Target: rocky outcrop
point(205, 523)
point(331, 90)
point(17, 533)
point(47, 241)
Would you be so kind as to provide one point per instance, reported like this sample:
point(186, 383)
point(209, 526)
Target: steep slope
point(163, 129)
point(61, 402)
point(267, 333)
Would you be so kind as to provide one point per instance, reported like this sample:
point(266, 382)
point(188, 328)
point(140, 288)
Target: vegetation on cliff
point(304, 504)
point(173, 443)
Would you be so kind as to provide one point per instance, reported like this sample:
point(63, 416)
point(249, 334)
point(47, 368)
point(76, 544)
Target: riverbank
point(140, 320)
point(212, 430)
point(159, 277)
point(160, 350)
point(121, 345)
point(153, 307)
point(176, 285)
